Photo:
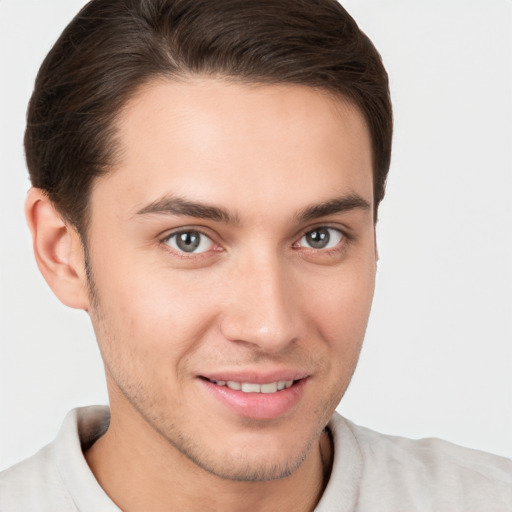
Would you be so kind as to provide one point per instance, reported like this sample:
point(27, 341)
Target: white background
point(438, 354)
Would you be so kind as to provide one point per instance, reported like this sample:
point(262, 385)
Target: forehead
point(214, 140)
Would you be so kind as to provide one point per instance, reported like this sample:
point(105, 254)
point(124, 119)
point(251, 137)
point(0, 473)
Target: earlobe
point(57, 249)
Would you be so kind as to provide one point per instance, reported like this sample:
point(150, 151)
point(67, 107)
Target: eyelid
point(185, 229)
point(344, 230)
point(347, 237)
point(327, 228)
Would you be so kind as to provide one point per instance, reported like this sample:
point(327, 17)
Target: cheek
point(147, 311)
point(339, 310)
point(341, 304)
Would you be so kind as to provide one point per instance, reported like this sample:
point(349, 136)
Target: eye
point(321, 238)
point(190, 241)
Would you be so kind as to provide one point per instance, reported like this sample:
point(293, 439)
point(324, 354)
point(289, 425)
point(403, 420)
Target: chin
point(244, 466)
point(249, 455)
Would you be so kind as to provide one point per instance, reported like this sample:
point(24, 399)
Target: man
point(206, 183)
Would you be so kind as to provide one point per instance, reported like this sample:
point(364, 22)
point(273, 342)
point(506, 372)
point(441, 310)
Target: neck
point(151, 474)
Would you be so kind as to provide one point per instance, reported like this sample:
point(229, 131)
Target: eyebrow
point(172, 205)
point(336, 205)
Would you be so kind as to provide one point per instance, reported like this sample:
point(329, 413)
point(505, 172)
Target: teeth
point(269, 388)
point(251, 387)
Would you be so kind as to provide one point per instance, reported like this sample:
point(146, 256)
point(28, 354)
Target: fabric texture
point(371, 472)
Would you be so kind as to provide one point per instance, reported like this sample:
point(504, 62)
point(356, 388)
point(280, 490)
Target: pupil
point(318, 238)
point(188, 241)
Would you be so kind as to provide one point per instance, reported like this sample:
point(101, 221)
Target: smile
point(256, 396)
point(252, 387)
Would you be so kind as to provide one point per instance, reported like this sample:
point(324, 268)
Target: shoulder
point(425, 474)
point(58, 477)
point(34, 484)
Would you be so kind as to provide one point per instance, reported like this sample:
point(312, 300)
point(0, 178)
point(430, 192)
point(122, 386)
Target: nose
point(261, 308)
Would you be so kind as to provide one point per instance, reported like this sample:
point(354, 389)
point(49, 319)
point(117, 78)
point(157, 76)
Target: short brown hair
point(112, 47)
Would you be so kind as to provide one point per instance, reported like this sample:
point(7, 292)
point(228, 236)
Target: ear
point(58, 250)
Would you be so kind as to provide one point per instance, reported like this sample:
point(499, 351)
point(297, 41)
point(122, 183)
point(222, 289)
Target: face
point(232, 263)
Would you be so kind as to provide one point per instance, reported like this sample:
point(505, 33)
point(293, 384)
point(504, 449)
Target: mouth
point(266, 399)
point(254, 387)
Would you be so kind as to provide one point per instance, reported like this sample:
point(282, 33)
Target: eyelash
point(191, 255)
point(338, 247)
point(324, 250)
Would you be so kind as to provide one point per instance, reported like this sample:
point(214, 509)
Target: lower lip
point(261, 406)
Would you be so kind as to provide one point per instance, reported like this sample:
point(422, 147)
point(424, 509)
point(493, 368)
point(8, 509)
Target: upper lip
point(256, 377)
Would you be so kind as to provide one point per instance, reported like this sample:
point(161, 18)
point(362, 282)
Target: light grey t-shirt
point(371, 473)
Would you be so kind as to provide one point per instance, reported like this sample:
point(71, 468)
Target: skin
point(257, 300)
